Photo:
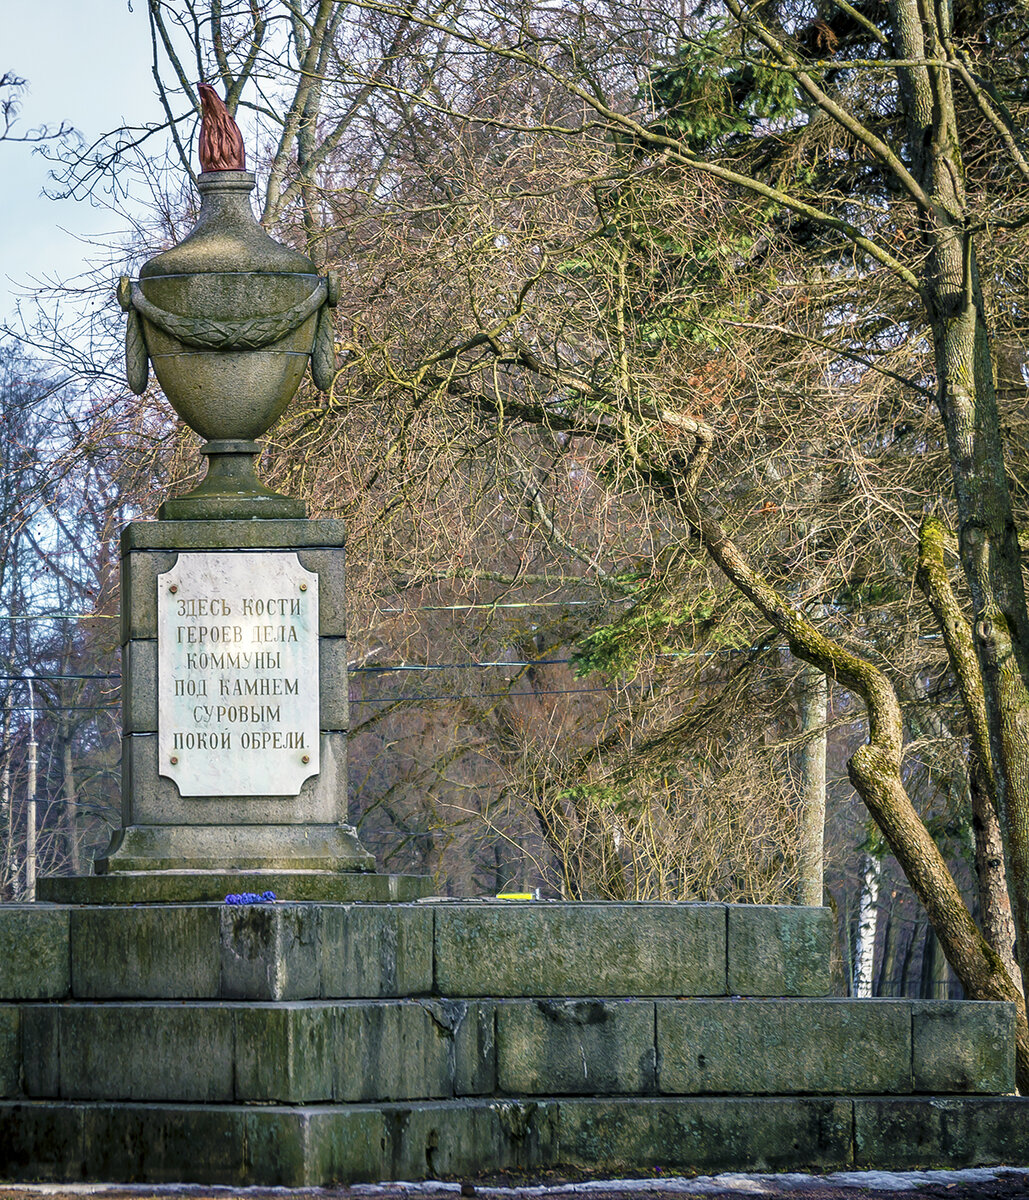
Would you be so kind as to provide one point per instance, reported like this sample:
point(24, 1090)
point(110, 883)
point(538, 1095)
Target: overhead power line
point(385, 669)
point(63, 616)
point(52, 678)
point(510, 604)
point(480, 695)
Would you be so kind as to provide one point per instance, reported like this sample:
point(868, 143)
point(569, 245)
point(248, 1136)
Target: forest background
point(680, 432)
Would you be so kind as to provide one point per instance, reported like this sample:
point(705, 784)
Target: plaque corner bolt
point(305, 758)
point(173, 760)
point(174, 588)
point(303, 587)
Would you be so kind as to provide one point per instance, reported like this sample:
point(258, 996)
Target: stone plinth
point(314, 1044)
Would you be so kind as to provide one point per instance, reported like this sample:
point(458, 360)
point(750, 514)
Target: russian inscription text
point(237, 672)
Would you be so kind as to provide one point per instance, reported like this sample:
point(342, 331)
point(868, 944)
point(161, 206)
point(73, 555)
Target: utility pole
point(10, 863)
point(30, 816)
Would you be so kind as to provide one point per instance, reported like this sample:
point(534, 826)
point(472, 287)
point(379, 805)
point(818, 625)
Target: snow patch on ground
point(701, 1185)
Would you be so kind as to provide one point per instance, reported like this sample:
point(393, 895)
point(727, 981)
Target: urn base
point(231, 490)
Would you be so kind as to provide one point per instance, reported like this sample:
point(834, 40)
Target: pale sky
point(87, 62)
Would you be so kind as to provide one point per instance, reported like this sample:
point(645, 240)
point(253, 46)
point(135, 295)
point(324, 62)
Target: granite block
point(334, 685)
point(372, 950)
point(575, 1047)
point(638, 949)
point(139, 573)
point(153, 952)
point(164, 1144)
point(40, 1060)
point(963, 1046)
point(779, 950)
point(433, 1141)
point(139, 686)
point(907, 1133)
point(706, 1134)
point(392, 1050)
point(330, 564)
point(40, 1141)
point(349, 1145)
point(10, 1051)
point(284, 1053)
point(34, 959)
point(270, 952)
point(783, 1046)
point(150, 1052)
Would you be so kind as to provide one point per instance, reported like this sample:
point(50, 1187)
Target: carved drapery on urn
point(230, 319)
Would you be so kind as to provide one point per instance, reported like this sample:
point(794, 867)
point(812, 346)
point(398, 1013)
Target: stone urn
point(230, 320)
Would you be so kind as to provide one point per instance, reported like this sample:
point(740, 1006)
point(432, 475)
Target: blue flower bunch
point(250, 898)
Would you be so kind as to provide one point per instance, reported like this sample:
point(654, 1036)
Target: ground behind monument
point(990, 1183)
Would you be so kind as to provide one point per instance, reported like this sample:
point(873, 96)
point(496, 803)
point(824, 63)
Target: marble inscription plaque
point(237, 674)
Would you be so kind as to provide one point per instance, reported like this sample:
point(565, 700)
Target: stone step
point(240, 1145)
point(211, 886)
point(303, 1052)
point(295, 951)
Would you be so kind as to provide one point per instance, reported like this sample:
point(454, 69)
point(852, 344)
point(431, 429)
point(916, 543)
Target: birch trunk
point(868, 923)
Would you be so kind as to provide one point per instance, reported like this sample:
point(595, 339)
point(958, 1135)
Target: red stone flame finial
point(221, 143)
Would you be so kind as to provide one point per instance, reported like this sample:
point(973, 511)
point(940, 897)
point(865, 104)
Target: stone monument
point(235, 706)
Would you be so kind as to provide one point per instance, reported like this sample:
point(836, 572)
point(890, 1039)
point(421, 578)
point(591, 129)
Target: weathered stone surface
point(270, 952)
point(139, 573)
point(783, 1046)
point(963, 1046)
point(325, 533)
point(40, 1037)
point(173, 887)
point(903, 1134)
point(475, 1048)
point(146, 1052)
point(277, 1145)
point(40, 1141)
point(707, 1134)
point(371, 950)
point(10, 1051)
point(202, 1144)
point(580, 950)
point(348, 1145)
point(155, 952)
point(139, 686)
point(575, 1047)
point(333, 683)
point(328, 847)
point(284, 1053)
point(434, 1140)
point(34, 963)
point(162, 1144)
point(251, 952)
point(778, 950)
point(392, 1050)
point(329, 1144)
point(330, 564)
